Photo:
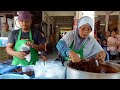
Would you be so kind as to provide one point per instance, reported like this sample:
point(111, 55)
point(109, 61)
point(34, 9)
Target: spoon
point(97, 63)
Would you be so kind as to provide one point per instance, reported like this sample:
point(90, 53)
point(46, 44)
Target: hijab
point(78, 41)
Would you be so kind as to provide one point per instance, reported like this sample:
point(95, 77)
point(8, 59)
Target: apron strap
point(82, 47)
point(71, 46)
point(30, 34)
point(19, 34)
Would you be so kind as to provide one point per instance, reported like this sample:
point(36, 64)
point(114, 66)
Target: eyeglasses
point(25, 21)
point(84, 29)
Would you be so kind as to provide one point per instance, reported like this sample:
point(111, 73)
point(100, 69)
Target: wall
point(104, 13)
point(10, 23)
point(113, 21)
point(48, 20)
point(61, 13)
point(16, 23)
point(72, 13)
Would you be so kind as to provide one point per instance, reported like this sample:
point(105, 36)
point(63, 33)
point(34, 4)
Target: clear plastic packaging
point(25, 48)
point(51, 70)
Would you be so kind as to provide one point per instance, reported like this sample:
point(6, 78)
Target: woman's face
point(85, 30)
point(113, 33)
point(5, 26)
point(104, 42)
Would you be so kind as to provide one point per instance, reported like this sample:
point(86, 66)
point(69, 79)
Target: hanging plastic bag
point(25, 48)
point(115, 52)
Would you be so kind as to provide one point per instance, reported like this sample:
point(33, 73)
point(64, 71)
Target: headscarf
point(81, 22)
point(85, 20)
point(92, 47)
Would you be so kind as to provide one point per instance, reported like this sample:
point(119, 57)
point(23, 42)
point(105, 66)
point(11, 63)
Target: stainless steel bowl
point(77, 74)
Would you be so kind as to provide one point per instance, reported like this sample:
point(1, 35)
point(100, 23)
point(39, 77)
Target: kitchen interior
point(55, 24)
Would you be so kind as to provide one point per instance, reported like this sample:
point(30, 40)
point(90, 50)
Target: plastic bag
point(57, 71)
point(40, 71)
point(25, 48)
point(51, 70)
point(28, 68)
point(40, 62)
point(115, 52)
point(14, 76)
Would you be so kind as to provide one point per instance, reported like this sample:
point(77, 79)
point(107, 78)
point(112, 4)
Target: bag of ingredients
point(25, 48)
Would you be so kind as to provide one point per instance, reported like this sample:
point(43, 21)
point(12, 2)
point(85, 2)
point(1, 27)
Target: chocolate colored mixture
point(29, 73)
point(90, 66)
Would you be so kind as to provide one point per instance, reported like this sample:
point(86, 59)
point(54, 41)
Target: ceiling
point(64, 21)
point(14, 12)
point(6, 11)
point(60, 19)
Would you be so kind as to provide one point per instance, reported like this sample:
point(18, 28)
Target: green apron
point(34, 53)
point(79, 52)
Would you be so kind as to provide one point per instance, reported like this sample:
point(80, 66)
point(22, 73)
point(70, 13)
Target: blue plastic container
point(4, 68)
point(14, 76)
point(3, 41)
point(11, 71)
point(20, 73)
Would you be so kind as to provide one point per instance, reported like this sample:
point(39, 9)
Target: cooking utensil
point(44, 63)
point(78, 74)
point(97, 63)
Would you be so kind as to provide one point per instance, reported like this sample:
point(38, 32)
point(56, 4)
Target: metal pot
point(77, 74)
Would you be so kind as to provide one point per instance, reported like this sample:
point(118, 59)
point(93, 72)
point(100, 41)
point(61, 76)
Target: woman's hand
point(101, 56)
point(74, 57)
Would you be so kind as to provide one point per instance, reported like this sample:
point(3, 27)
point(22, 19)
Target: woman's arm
point(64, 44)
point(45, 46)
point(63, 48)
point(110, 43)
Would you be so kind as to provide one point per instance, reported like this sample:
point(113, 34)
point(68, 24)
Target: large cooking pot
point(77, 74)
